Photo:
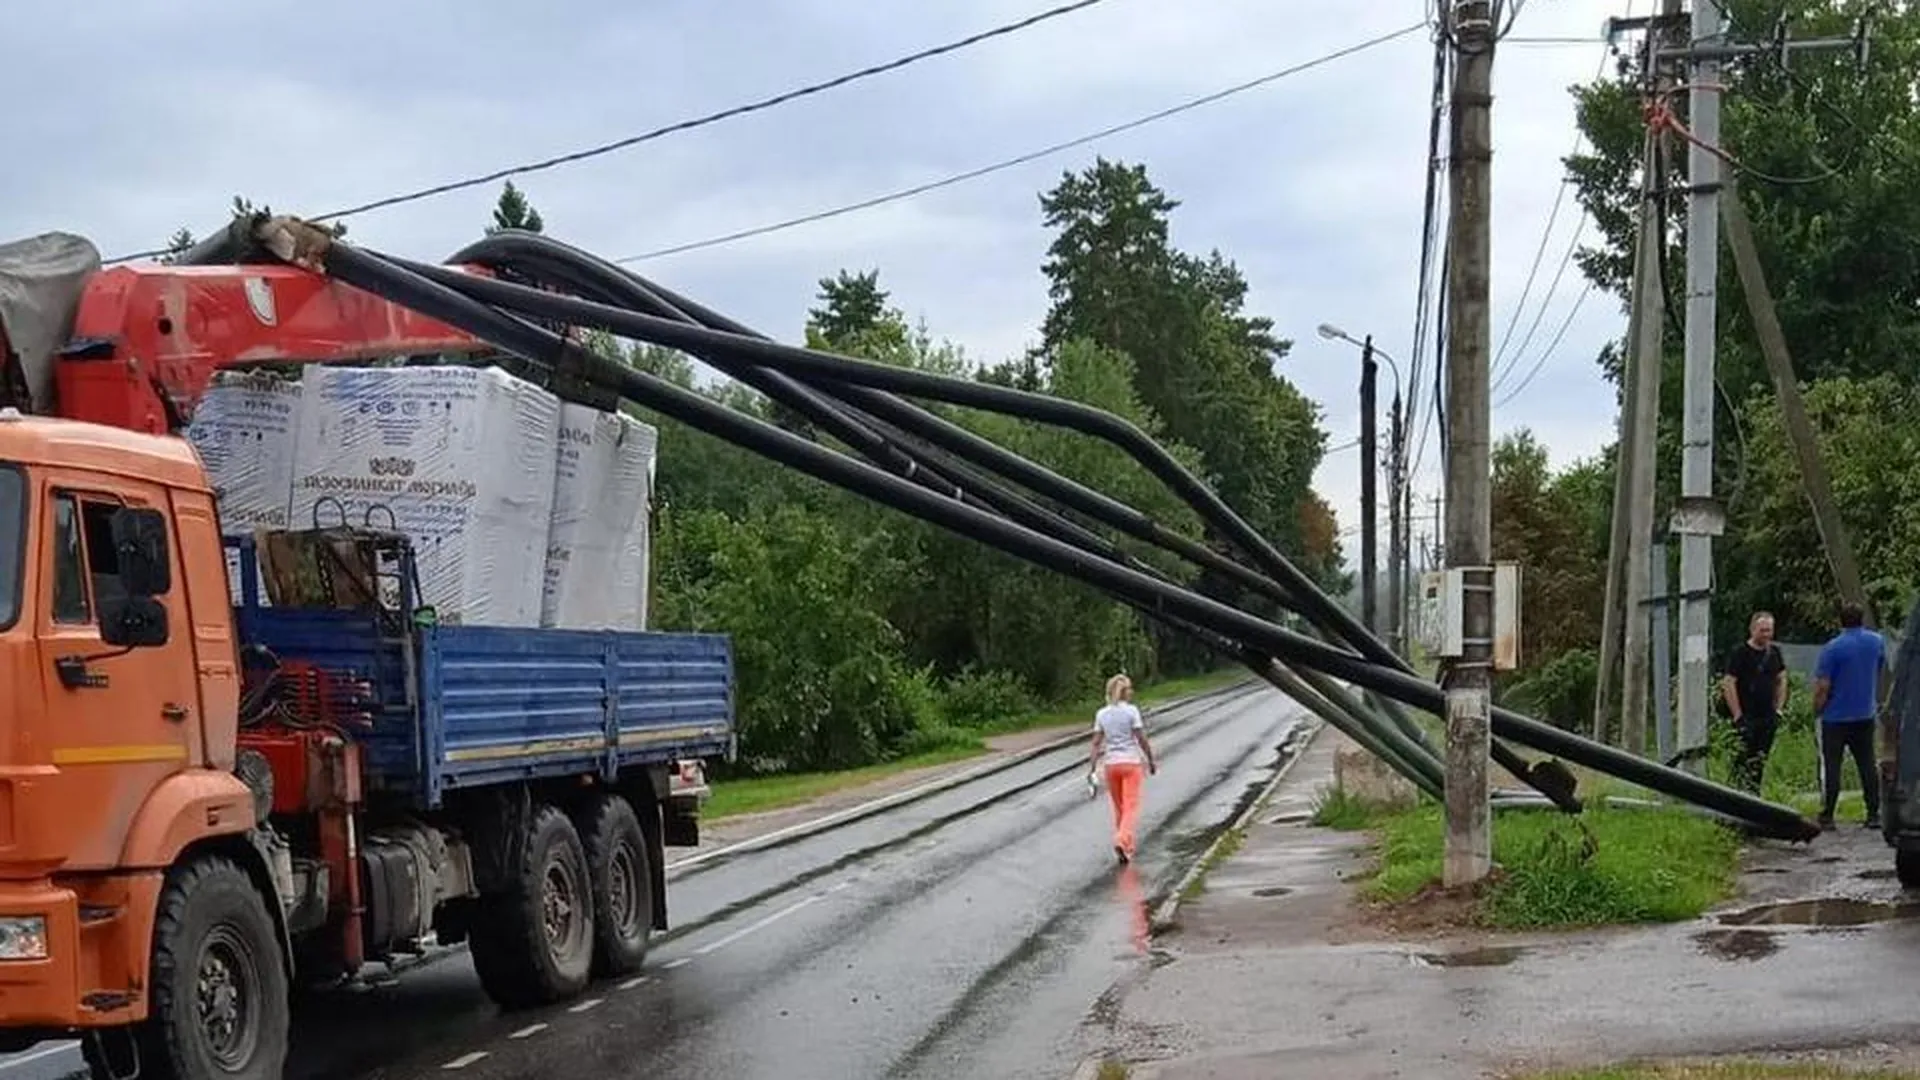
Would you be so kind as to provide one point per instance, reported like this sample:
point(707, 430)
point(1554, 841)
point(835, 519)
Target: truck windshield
point(13, 541)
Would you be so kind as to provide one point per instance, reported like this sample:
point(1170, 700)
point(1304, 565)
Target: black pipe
point(393, 282)
point(545, 260)
point(703, 341)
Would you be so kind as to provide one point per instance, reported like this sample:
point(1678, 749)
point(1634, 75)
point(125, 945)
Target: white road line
point(761, 925)
point(528, 1031)
point(671, 964)
point(43, 1052)
point(590, 1003)
point(465, 1060)
point(631, 983)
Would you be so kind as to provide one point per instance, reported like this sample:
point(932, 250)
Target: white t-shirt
point(1118, 722)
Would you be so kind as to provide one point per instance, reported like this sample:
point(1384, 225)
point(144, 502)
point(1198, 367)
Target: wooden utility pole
point(1647, 356)
point(1817, 484)
point(1469, 677)
point(1369, 491)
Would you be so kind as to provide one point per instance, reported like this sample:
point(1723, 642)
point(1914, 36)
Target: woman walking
point(1120, 746)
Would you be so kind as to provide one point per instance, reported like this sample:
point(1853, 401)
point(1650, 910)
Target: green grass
point(1607, 866)
point(1728, 1070)
point(1337, 809)
point(1114, 1070)
point(757, 794)
point(1081, 712)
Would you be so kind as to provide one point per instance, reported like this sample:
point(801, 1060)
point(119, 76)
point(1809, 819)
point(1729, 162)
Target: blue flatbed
point(455, 707)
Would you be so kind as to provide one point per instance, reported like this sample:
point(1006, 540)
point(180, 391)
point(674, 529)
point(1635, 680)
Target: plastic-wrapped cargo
point(460, 459)
point(244, 429)
point(598, 546)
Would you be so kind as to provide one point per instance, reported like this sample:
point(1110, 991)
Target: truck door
point(120, 722)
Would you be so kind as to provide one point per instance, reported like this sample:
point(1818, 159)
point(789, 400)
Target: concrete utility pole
point(1369, 487)
point(1699, 517)
point(1469, 677)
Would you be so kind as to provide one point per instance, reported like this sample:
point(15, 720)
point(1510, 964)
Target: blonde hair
point(1116, 686)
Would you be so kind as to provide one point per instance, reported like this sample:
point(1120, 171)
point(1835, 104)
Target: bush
point(978, 699)
point(1559, 691)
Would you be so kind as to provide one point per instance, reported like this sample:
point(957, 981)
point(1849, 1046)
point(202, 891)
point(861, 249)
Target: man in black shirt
point(1755, 689)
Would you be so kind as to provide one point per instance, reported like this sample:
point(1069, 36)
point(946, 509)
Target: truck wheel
point(533, 944)
point(1906, 867)
point(219, 1005)
point(622, 885)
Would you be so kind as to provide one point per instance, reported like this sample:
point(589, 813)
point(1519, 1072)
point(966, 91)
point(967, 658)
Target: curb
point(1163, 915)
point(851, 814)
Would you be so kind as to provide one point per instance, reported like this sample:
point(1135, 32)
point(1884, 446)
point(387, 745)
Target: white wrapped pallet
point(460, 459)
point(597, 549)
point(244, 430)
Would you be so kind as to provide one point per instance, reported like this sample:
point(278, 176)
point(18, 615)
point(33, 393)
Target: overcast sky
point(1312, 184)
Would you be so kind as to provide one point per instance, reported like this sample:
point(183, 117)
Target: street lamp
point(1399, 511)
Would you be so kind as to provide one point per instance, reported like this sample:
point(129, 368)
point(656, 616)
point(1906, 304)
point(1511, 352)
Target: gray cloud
point(1312, 184)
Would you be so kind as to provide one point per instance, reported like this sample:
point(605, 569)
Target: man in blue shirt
point(1848, 686)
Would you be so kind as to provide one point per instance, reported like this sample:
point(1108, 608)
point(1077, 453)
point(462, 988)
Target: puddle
point(1273, 890)
point(1486, 956)
point(1737, 944)
point(1835, 911)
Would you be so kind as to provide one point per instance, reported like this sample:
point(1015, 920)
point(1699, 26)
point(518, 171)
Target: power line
point(689, 124)
point(1503, 370)
point(1022, 159)
point(1546, 353)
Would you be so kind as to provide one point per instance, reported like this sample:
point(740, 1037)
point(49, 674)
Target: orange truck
point(205, 798)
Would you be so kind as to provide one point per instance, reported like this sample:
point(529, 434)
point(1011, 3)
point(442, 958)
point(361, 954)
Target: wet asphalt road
point(967, 933)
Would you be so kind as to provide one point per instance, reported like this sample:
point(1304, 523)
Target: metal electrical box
point(1439, 612)
point(1440, 615)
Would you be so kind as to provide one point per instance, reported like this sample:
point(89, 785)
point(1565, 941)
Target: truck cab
point(118, 733)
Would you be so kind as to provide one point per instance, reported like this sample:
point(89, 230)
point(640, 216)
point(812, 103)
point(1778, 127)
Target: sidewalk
point(1275, 971)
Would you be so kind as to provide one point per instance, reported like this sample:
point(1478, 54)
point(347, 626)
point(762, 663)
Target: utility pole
point(1469, 677)
point(1647, 356)
point(1369, 491)
point(1699, 517)
point(1396, 544)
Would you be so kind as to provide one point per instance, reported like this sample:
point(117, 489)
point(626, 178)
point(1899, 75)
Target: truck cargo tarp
point(41, 279)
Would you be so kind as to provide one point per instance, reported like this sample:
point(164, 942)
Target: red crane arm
point(148, 339)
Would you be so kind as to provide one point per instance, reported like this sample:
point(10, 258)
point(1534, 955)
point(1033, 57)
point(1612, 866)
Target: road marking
point(465, 1060)
point(631, 983)
point(528, 1031)
point(754, 928)
point(590, 1003)
point(671, 964)
point(43, 1052)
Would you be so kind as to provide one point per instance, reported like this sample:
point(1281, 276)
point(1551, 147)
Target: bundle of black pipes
point(853, 400)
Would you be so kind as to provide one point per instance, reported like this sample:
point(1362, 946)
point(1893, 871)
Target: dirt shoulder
point(1275, 970)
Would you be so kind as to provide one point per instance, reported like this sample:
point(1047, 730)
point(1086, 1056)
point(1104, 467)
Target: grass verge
point(1081, 712)
point(1609, 866)
point(759, 794)
point(1727, 1070)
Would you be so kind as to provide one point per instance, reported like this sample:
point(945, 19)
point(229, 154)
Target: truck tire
point(219, 1006)
point(1906, 867)
point(532, 944)
point(622, 885)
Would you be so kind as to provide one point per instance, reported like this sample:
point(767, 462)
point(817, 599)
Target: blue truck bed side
point(452, 707)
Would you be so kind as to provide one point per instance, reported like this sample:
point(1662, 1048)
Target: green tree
point(514, 211)
point(1202, 364)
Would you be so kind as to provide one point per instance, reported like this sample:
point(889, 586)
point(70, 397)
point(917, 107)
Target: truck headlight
point(23, 937)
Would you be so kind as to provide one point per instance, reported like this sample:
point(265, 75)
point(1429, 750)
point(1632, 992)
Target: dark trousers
point(1837, 740)
point(1756, 742)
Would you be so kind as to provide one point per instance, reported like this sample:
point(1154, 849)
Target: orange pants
point(1123, 786)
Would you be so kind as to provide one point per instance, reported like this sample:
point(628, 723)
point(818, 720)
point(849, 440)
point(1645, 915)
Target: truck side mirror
point(133, 622)
point(140, 547)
